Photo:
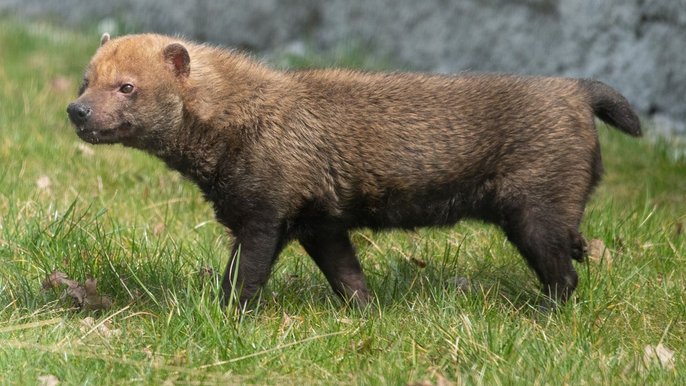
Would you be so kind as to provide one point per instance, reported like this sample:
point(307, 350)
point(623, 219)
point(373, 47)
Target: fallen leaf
point(597, 252)
point(345, 321)
point(440, 381)
point(658, 355)
point(648, 245)
point(93, 301)
point(158, 228)
point(85, 296)
point(85, 149)
point(105, 329)
point(155, 359)
point(48, 380)
point(363, 345)
point(180, 358)
point(43, 183)
point(288, 322)
point(291, 279)
point(97, 302)
point(171, 381)
point(91, 285)
point(76, 292)
point(461, 283)
point(418, 262)
point(60, 84)
point(87, 323)
point(443, 381)
point(206, 274)
point(54, 280)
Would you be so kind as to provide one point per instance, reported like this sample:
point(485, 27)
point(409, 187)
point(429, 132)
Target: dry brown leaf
point(91, 286)
point(105, 329)
point(85, 149)
point(48, 380)
point(289, 322)
point(443, 381)
point(206, 272)
point(171, 381)
point(43, 183)
point(155, 359)
point(97, 302)
point(180, 358)
point(85, 297)
point(76, 292)
point(158, 228)
point(60, 84)
point(440, 381)
point(597, 252)
point(363, 345)
point(55, 279)
point(419, 262)
point(461, 283)
point(87, 323)
point(658, 355)
point(93, 301)
point(345, 321)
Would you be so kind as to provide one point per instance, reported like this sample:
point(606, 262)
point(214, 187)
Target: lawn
point(452, 305)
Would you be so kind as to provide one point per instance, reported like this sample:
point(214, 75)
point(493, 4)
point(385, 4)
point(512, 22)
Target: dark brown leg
point(335, 256)
point(255, 250)
point(548, 245)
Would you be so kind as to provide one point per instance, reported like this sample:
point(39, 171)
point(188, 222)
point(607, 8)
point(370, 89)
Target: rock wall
point(637, 46)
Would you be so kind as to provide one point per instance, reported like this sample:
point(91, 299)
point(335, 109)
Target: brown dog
point(309, 155)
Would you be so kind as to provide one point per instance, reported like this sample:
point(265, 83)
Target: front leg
point(255, 250)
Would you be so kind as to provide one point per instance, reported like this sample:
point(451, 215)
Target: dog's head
point(131, 91)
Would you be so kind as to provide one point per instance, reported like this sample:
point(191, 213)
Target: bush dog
point(309, 155)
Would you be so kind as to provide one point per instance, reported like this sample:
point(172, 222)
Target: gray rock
point(637, 46)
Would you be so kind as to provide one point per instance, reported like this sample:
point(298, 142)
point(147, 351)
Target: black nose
point(78, 113)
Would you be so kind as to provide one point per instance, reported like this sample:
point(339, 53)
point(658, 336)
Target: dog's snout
point(79, 113)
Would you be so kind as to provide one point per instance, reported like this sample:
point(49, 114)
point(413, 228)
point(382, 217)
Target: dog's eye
point(126, 88)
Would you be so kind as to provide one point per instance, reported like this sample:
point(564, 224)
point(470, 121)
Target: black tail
point(611, 107)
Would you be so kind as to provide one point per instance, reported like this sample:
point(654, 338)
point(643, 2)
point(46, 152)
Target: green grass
point(144, 233)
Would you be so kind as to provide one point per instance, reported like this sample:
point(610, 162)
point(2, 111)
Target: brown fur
point(309, 155)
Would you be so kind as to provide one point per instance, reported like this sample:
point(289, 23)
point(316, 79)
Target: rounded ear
point(177, 59)
point(104, 39)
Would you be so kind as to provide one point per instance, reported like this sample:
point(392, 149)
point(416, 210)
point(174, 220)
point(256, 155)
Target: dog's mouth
point(104, 136)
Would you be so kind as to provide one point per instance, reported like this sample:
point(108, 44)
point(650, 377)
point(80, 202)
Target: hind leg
point(578, 244)
point(335, 256)
point(548, 243)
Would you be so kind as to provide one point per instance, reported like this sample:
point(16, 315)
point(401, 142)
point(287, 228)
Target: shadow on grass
point(448, 278)
point(150, 273)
